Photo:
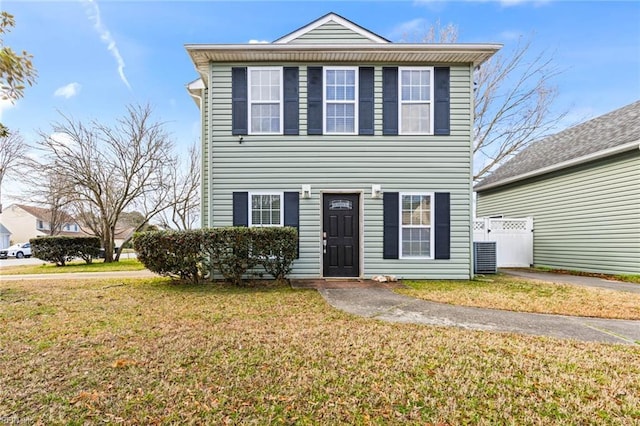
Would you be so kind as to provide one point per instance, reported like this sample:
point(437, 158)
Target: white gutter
point(569, 163)
point(435, 47)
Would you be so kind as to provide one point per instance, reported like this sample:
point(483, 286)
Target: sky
point(95, 57)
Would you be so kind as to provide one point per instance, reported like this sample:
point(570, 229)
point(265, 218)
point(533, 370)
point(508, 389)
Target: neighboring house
point(5, 237)
point(26, 222)
point(363, 145)
point(582, 187)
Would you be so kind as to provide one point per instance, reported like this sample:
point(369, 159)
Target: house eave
point(195, 89)
point(635, 145)
point(401, 54)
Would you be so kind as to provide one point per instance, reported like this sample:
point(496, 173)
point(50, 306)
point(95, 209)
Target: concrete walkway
point(384, 304)
point(574, 279)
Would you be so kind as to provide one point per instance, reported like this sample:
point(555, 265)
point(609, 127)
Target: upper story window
point(340, 100)
point(40, 224)
point(266, 209)
point(415, 96)
point(265, 100)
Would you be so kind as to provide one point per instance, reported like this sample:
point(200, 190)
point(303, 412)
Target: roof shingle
point(602, 133)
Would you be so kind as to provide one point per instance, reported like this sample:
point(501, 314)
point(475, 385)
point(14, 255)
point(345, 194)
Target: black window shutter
point(366, 101)
point(314, 100)
point(443, 225)
point(441, 112)
point(292, 213)
point(239, 112)
point(391, 225)
point(240, 209)
point(390, 101)
point(291, 100)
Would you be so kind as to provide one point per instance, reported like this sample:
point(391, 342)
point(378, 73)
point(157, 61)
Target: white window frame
point(326, 102)
point(431, 227)
point(251, 102)
point(251, 194)
point(430, 101)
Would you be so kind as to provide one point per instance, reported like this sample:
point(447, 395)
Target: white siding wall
point(348, 163)
point(586, 218)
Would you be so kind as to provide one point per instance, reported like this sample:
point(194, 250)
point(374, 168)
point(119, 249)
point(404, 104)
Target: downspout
point(201, 157)
point(210, 143)
point(472, 210)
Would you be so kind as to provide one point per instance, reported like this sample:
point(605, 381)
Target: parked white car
point(18, 251)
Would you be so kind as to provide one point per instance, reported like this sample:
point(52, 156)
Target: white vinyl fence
point(513, 237)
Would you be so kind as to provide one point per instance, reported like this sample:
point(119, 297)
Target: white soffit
point(397, 54)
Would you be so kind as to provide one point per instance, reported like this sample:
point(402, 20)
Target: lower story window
point(266, 210)
point(416, 236)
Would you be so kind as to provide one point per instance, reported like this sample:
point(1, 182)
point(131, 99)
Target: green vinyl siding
point(348, 163)
point(586, 218)
point(331, 33)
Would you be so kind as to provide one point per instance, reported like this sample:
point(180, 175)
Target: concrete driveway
point(384, 304)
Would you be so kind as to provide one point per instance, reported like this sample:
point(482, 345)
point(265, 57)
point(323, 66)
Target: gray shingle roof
point(605, 132)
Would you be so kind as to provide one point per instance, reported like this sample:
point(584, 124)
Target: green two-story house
point(362, 144)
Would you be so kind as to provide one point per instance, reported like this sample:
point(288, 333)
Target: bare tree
point(48, 191)
point(514, 97)
point(12, 151)
point(109, 169)
point(184, 211)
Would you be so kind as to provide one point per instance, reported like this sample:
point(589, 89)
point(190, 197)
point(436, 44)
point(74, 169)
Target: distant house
point(26, 222)
point(582, 187)
point(5, 237)
point(362, 144)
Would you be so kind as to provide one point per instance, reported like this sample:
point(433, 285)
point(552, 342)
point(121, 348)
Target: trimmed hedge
point(60, 249)
point(232, 252)
point(171, 253)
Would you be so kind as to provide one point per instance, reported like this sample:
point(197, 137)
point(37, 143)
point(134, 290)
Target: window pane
point(340, 118)
point(265, 209)
point(415, 118)
point(416, 242)
point(265, 118)
point(416, 210)
point(331, 77)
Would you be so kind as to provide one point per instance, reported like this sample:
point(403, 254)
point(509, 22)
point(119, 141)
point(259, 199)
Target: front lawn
point(507, 292)
point(151, 352)
point(74, 266)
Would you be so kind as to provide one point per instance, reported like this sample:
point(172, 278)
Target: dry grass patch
point(518, 294)
point(75, 266)
point(152, 352)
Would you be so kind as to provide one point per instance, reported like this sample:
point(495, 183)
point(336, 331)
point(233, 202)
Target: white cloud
point(510, 35)
point(406, 31)
point(5, 104)
point(68, 91)
point(258, 42)
point(62, 138)
point(93, 12)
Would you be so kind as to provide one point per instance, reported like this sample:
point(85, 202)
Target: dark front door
point(341, 240)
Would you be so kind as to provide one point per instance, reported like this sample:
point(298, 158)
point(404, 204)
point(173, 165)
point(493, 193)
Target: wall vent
point(484, 257)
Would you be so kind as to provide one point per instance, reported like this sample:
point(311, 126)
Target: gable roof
point(44, 214)
point(378, 51)
point(331, 17)
point(4, 230)
point(603, 136)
